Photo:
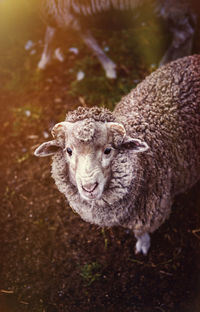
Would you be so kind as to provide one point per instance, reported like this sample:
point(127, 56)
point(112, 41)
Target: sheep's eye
point(69, 151)
point(107, 150)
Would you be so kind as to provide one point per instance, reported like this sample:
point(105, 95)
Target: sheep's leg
point(108, 65)
point(143, 243)
point(182, 40)
point(48, 49)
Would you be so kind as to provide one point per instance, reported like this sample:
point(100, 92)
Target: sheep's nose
point(90, 187)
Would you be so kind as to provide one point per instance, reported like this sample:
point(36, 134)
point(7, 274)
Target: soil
point(51, 260)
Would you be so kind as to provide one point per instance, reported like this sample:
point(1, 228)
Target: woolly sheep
point(124, 168)
point(75, 14)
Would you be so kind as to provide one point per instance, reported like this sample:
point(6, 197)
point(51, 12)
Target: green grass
point(136, 51)
point(90, 272)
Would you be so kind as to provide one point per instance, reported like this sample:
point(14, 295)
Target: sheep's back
point(164, 110)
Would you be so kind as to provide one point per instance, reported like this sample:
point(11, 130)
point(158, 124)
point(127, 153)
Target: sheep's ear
point(47, 149)
point(136, 145)
point(117, 128)
point(117, 132)
point(60, 132)
point(59, 129)
point(121, 140)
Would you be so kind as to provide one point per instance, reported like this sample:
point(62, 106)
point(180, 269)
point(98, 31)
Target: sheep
point(72, 14)
point(124, 168)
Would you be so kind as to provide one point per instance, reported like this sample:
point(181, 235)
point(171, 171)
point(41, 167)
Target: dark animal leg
point(108, 65)
point(182, 40)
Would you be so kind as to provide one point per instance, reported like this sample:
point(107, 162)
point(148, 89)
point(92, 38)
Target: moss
point(96, 89)
point(24, 117)
point(136, 52)
point(23, 158)
point(90, 272)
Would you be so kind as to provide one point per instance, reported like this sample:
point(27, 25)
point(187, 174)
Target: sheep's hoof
point(111, 74)
point(42, 65)
point(44, 62)
point(143, 244)
point(110, 70)
point(58, 55)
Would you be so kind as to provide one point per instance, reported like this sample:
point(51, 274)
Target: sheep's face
point(89, 148)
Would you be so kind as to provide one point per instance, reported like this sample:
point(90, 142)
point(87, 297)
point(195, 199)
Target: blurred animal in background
point(74, 15)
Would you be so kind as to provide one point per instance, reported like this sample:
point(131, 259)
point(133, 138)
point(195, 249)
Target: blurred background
point(51, 260)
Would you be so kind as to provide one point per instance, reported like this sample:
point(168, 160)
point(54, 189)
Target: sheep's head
point(89, 148)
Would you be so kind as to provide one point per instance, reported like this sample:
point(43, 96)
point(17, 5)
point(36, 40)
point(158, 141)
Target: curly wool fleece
point(94, 113)
point(164, 111)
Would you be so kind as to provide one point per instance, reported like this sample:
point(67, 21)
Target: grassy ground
point(50, 260)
